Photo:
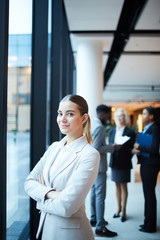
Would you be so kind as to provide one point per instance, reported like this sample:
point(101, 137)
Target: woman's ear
point(84, 118)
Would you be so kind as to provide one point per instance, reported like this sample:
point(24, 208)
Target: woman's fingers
point(136, 145)
point(135, 151)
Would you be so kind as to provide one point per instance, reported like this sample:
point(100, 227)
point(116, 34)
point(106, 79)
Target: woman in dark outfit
point(120, 161)
point(150, 167)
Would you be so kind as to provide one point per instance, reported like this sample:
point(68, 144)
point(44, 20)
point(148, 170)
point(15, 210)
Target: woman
point(64, 175)
point(150, 166)
point(120, 161)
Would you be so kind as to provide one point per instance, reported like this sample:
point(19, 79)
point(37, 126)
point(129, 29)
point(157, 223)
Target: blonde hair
point(87, 130)
point(127, 120)
point(83, 108)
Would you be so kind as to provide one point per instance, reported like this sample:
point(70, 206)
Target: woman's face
point(69, 119)
point(120, 118)
point(146, 117)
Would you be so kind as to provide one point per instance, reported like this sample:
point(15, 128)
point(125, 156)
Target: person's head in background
point(121, 118)
point(73, 118)
point(103, 113)
point(149, 115)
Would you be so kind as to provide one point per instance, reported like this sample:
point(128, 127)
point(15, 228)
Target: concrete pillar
point(90, 73)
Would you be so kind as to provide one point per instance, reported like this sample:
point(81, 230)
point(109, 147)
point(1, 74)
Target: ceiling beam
point(130, 14)
point(135, 53)
point(131, 52)
point(91, 32)
point(135, 32)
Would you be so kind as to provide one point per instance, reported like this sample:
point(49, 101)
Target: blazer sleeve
point(72, 197)
point(111, 135)
point(34, 189)
point(98, 141)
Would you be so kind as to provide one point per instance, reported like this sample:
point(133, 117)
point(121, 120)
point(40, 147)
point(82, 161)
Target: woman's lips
point(64, 126)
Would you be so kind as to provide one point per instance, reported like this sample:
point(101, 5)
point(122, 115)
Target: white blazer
point(65, 217)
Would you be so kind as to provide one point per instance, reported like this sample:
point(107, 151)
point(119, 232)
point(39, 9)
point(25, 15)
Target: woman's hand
point(135, 151)
point(40, 179)
point(136, 145)
point(52, 194)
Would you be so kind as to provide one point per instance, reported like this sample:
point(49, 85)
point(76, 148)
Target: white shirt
point(59, 157)
point(119, 133)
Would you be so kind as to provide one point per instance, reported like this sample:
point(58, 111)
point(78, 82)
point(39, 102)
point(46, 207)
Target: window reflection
point(18, 122)
point(49, 73)
point(18, 136)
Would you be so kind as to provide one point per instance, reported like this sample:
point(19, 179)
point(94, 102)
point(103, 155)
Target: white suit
point(74, 175)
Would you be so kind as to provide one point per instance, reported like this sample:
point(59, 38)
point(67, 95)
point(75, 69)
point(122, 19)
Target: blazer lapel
point(70, 156)
point(49, 162)
point(149, 130)
point(125, 132)
point(61, 168)
point(113, 135)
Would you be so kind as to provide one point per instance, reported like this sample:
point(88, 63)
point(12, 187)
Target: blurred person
point(98, 190)
point(120, 161)
point(150, 166)
point(61, 180)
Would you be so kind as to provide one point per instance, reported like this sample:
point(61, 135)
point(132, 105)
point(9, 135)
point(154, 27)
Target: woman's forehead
point(68, 105)
point(120, 112)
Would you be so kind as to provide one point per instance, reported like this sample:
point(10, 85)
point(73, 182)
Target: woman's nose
point(63, 118)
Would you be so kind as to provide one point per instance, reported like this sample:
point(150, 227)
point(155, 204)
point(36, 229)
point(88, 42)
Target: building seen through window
point(18, 120)
point(18, 135)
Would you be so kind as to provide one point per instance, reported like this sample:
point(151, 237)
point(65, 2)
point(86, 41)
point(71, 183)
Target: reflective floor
point(128, 230)
point(18, 153)
point(18, 201)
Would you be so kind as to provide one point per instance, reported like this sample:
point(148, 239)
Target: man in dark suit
point(98, 191)
point(150, 167)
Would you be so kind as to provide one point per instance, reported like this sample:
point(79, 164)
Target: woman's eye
point(59, 114)
point(70, 114)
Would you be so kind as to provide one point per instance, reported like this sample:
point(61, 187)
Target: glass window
point(49, 72)
point(18, 117)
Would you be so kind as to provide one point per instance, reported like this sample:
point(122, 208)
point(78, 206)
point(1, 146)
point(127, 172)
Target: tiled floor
point(128, 230)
